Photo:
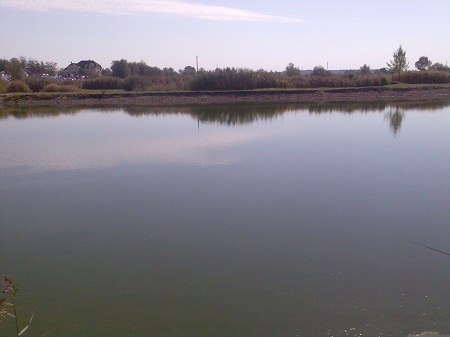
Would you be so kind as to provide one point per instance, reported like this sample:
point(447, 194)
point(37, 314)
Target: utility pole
point(196, 59)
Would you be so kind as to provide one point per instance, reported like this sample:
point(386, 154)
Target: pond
point(276, 220)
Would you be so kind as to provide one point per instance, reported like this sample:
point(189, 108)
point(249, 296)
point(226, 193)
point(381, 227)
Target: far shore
point(115, 98)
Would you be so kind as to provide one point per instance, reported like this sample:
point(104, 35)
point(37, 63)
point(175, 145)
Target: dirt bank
point(104, 98)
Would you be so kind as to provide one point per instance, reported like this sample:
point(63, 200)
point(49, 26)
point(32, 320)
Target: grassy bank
point(120, 97)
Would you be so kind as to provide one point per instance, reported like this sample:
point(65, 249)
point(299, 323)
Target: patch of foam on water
point(429, 334)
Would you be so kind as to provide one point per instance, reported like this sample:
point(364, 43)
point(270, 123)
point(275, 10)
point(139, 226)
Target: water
point(227, 221)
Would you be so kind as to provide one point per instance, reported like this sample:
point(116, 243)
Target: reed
point(104, 83)
point(425, 77)
point(10, 289)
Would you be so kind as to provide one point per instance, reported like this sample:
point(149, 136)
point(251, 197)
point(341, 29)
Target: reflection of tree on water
point(395, 120)
point(35, 112)
point(233, 115)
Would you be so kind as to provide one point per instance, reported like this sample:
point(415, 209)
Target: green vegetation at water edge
point(20, 75)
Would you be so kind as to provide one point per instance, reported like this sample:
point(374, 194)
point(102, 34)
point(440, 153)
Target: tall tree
point(423, 63)
point(440, 67)
point(3, 64)
point(15, 68)
point(120, 68)
point(365, 69)
point(399, 62)
point(292, 70)
point(189, 70)
point(320, 71)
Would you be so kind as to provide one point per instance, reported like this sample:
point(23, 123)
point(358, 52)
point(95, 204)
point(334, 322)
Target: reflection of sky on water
point(93, 139)
point(106, 153)
point(84, 141)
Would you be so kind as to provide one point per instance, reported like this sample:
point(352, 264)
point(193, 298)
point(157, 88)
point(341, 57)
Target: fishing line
point(420, 244)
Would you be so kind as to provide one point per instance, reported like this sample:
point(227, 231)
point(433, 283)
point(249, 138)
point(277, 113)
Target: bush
point(37, 83)
point(53, 87)
point(18, 86)
point(226, 79)
point(266, 80)
point(321, 71)
point(137, 83)
point(425, 77)
point(294, 82)
point(240, 79)
point(104, 83)
point(3, 87)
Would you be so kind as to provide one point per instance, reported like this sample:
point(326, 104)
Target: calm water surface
point(228, 221)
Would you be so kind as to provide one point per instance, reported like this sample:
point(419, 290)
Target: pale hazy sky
point(252, 34)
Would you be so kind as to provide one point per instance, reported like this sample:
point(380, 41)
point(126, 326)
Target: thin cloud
point(135, 7)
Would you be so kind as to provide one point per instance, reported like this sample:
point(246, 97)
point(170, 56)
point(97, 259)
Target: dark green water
point(228, 221)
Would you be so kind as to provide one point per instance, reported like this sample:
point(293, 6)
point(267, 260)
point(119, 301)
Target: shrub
point(69, 88)
point(3, 87)
point(322, 82)
point(225, 79)
point(320, 71)
point(37, 83)
point(295, 82)
point(105, 83)
point(18, 86)
point(426, 77)
point(266, 80)
point(142, 83)
point(53, 87)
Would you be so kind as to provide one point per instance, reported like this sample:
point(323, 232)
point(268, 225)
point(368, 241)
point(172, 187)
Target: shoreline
point(189, 98)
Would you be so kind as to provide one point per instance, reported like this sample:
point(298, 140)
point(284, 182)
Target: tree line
point(18, 68)
point(138, 76)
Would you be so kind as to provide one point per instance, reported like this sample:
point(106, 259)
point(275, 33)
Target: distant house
point(87, 68)
point(27, 72)
point(4, 76)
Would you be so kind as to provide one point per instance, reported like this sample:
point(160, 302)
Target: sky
point(255, 34)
